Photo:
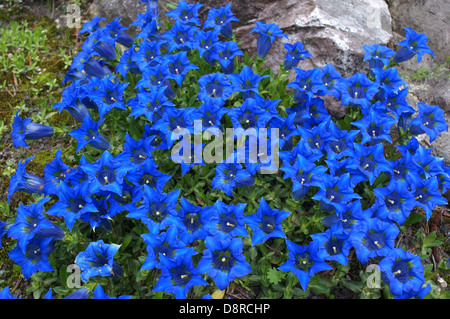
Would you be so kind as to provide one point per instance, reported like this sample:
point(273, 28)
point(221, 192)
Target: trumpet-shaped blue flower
point(266, 222)
point(223, 260)
point(178, 275)
point(246, 82)
point(267, 33)
point(375, 127)
point(215, 89)
point(88, 134)
point(220, 19)
point(304, 262)
point(35, 256)
point(156, 207)
point(191, 221)
point(227, 221)
point(394, 202)
point(303, 173)
point(358, 90)
point(109, 95)
point(403, 272)
point(99, 293)
point(333, 244)
point(106, 174)
point(26, 129)
point(295, 53)
point(149, 102)
point(179, 65)
point(427, 195)
point(186, 13)
point(98, 260)
point(414, 44)
point(430, 120)
point(161, 243)
point(373, 237)
point(379, 56)
point(73, 202)
point(181, 37)
point(24, 181)
point(231, 175)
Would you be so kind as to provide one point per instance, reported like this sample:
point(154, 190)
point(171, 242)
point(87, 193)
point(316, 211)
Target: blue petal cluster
point(323, 161)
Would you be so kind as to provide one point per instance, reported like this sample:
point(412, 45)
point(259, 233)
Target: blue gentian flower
point(55, 172)
point(109, 95)
point(34, 257)
point(106, 174)
point(127, 64)
point(303, 262)
point(249, 115)
point(357, 90)
point(152, 10)
point(414, 44)
point(31, 223)
point(82, 293)
point(333, 244)
point(373, 237)
point(71, 102)
point(227, 221)
point(156, 207)
point(371, 161)
point(24, 181)
point(136, 152)
point(394, 202)
point(307, 82)
point(148, 54)
point(105, 50)
point(220, 19)
point(430, 120)
point(246, 82)
point(149, 102)
point(92, 25)
point(396, 101)
point(99, 293)
point(267, 33)
point(88, 134)
point(427, 195)
point(206, 40)
point(225, 53)
point(25, 129)
point(215, 89)
point(73, 202)
point(379, 56)
point(180, 37)
point(98, 260)
point(343, 145)
point(266, 222)
point(178, 274)
point(303, 173)
point(6, 294)
point(95, 68)
point(403, 272)
point(336, 191)
point(186, 13)
point(191, 221)
point(330, 79)
point(115, 32)
point(375, 127)
point(161, 243)
point(388, 78)
point(223, 261)
point(231, 175)
point(295, 54)
point(179, 65)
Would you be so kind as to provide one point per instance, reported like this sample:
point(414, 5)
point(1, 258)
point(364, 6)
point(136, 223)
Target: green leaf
point(275, 276)
point(413, 218)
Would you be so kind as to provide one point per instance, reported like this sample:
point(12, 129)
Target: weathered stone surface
point(110, 9)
